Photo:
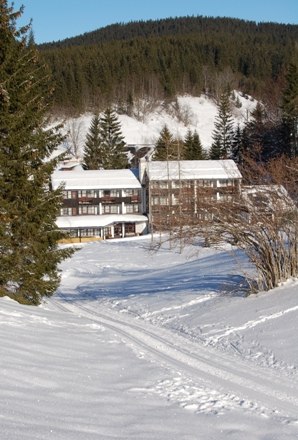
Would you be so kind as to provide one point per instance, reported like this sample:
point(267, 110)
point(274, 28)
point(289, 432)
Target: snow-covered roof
point(69, 164)
point(95, 221)
point(95, 179)
point(272, 196)
point(192, 170)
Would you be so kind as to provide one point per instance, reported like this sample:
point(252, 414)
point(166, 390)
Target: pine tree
point(223, 132)
point(197, 148)
point(290, 112)
point(188, 145)
point(192, 146)
point(93, 155)
point(29, 254)
point(215, 151)
point(237, 146)
point(262, 135)
point(111, 142)
point(167, 147)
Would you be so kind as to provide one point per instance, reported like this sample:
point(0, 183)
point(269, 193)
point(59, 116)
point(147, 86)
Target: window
point(159, 200)
point(205, 183)
point(88, 209)
point(111, 209)
point(131, 192)
point(66, 211)
point(90, 232)
point(226, 182)
point(130, 228)
point(91, 193)
point(176, 184)
point(111, 193)
point(130, 209)
point(163, 184)
point(69, 194)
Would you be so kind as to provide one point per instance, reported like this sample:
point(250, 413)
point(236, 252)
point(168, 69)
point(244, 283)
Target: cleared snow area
point(143, 345)
point(187, 112)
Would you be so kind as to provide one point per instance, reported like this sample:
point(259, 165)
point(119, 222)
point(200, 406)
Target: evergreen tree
point(93, 156)
point(192, 146)
point(167, 147)
point(256, 126)
point(290, 112)
point(197, 148)
point(237, 146)
point(215, 151)
point(29, 255)
point(111, 142)
point(223, 132)
point(188, 145)
point(263, 135)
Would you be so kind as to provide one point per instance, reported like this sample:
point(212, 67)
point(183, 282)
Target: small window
point(130, 209)
point(66, 211)
point(111, 209)
point(88, 209)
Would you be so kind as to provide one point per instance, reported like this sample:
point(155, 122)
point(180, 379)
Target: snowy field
point(160, 346)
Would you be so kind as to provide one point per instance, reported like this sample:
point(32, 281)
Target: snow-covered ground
point(143, 345)
point(187, 112)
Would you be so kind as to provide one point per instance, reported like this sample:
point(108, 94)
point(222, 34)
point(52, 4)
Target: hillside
point(143, 127)
point(161, 59)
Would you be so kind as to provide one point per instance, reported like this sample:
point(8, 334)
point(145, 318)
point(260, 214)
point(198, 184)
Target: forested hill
point(175, 27)
point(122, 63)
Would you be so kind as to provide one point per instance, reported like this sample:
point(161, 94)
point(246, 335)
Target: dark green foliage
point(168, 148)
point(263, 137)
point(223, 132)
point(215, 151)
point(238, 146)
point(167, 57)
point(111, 155)
point(93, 157)
point(188, 145)
point(29, 254)
point(193, 149)
point(289, 109)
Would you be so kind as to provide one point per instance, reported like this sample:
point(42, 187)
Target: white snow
point(143, 345)
point(188, 112)
point(91, 179)
point(95, 221)
point(193, 169)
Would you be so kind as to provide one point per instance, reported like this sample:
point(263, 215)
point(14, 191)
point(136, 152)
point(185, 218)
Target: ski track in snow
point(180, 306)
point(250, 324)
point(203, 379)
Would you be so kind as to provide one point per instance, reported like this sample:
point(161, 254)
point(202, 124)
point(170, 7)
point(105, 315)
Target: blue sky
point(58, 19)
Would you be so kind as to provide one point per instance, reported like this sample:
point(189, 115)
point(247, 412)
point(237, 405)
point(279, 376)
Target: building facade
point(182, 192)
point(100, 204)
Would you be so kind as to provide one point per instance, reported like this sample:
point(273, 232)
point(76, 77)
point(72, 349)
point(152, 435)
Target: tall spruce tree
point(237, 148)
point(93, 155)
point(111, 142)
point(223, 132)
point(188, 144)
point(290, 112)
point(167, 147)
point(193, 149)
point(29, 254)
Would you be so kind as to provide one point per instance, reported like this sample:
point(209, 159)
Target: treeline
point(160, 59)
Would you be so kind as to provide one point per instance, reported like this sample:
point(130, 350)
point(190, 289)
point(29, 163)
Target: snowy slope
point(144, 345)
point(187, 112)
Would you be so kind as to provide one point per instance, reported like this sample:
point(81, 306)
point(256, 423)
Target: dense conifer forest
point(123, 63)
